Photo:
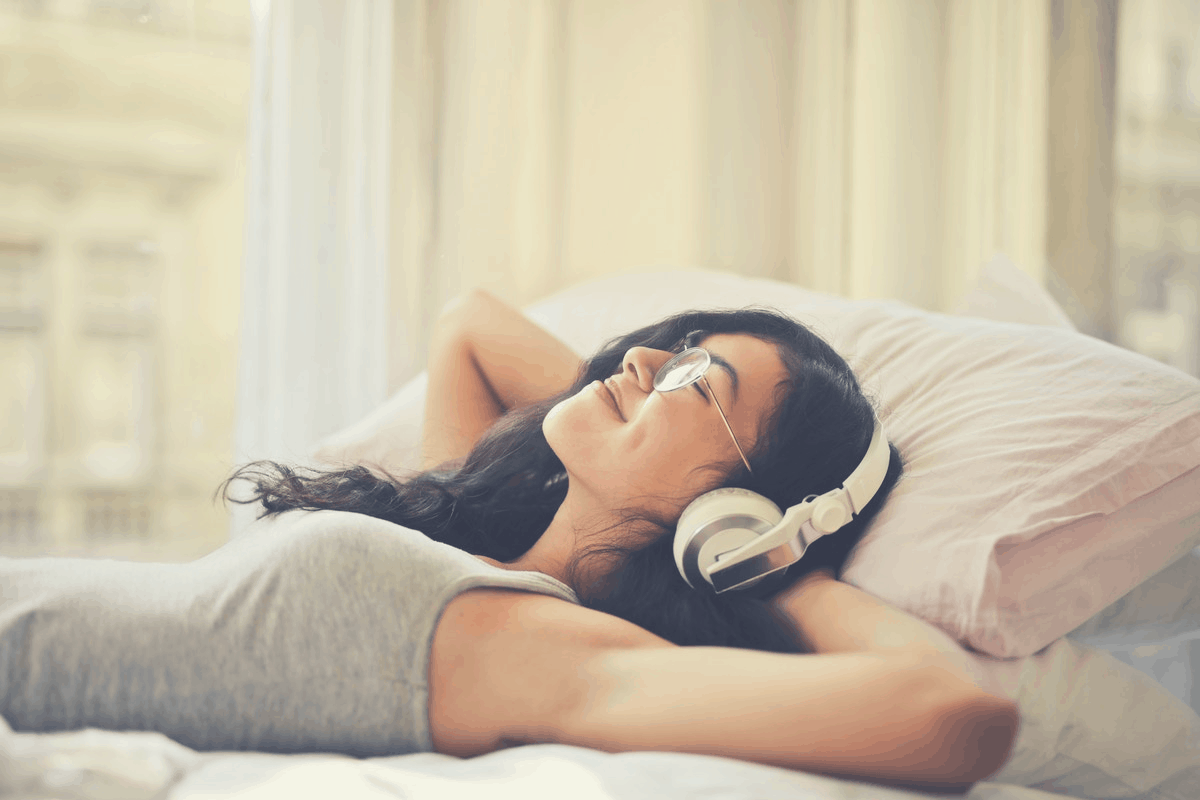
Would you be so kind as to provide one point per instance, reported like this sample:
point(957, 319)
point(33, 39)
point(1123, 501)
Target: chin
point(578, 459)
point(568, 423)
point(557, 427)
point(584, 441)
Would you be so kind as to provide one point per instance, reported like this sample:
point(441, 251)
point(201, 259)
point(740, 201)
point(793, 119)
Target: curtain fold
point(862, 147)
point(315, 288)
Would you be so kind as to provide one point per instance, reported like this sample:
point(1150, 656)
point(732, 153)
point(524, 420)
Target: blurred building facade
point(1156, 154)
point(122, 128)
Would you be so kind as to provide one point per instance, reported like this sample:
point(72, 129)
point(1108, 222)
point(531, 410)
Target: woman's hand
point(834, 617)
point(486, 358)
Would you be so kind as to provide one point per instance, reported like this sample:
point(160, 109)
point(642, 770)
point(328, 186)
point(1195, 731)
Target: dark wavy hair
point(500, 500)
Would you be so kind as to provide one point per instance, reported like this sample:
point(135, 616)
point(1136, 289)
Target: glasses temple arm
point(721, 411)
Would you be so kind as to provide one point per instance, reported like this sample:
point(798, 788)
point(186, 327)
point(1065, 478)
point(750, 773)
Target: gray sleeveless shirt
point(310, 632)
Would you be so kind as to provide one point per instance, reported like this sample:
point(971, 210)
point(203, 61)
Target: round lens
point(682, 370)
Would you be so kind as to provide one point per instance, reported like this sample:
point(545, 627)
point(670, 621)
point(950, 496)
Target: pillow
point(388, 440)
point(1048, 473)
point(1156, 626)
point(1005, 293)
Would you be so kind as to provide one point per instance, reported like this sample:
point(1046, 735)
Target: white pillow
point(388, 440)
point(1048, 473)
point(1004, 293)
point(1155, 627)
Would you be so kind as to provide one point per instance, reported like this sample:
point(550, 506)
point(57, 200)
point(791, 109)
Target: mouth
point(612, 396)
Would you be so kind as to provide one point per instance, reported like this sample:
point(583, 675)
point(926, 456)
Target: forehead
point(757, 363)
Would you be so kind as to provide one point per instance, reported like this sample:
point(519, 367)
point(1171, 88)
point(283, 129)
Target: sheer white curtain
point(314, 303)
point(872, 148)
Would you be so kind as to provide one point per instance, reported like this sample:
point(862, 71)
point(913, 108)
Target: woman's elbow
point(972, 736)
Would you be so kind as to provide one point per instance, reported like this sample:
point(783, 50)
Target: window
point(23, 363)
point(121, 197)
point(1156, 215)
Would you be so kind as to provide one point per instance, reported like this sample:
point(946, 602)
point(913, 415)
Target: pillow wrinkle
point(1116, 490)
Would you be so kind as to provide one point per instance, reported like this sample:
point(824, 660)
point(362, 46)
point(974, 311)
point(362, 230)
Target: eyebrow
point(733, 376)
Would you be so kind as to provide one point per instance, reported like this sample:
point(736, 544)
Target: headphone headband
point(868, 476)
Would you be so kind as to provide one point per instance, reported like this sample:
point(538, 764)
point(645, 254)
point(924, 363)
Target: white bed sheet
point(106, 765)
point(1156, 629)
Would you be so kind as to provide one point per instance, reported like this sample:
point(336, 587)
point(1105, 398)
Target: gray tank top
point(310, 632)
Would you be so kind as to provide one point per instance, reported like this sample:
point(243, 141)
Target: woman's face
point(624, 442)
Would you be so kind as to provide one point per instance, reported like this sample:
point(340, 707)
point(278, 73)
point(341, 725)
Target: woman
point(286, 639)
point(533, 466)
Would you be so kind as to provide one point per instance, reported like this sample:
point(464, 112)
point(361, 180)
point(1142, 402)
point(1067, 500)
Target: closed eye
point(701, 391)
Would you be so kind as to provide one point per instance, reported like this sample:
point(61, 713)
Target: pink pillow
point(1028, 449)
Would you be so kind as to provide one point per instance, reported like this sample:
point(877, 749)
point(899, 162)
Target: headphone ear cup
point(715, 523)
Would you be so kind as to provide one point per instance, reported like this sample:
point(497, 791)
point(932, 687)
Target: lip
point(612, 395)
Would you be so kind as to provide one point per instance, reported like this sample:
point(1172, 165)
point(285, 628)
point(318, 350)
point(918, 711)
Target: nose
point(642, 364)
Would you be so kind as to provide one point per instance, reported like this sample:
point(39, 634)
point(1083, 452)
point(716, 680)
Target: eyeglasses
point(684, 370)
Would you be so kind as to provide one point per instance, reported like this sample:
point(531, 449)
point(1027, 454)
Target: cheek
point(666, 458)
point(656, 453)
point(572, 428)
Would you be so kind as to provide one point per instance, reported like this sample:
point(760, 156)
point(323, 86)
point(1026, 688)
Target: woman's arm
point(835, 617)
point(485, 359)
point(891, 717)
point(510, 668)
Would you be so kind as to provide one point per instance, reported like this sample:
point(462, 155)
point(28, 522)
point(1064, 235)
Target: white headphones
point(733, 538)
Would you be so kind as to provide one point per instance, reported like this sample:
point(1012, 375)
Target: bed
point(1049, 520)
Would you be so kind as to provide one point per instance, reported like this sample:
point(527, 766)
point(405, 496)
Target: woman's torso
point(311, 631)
